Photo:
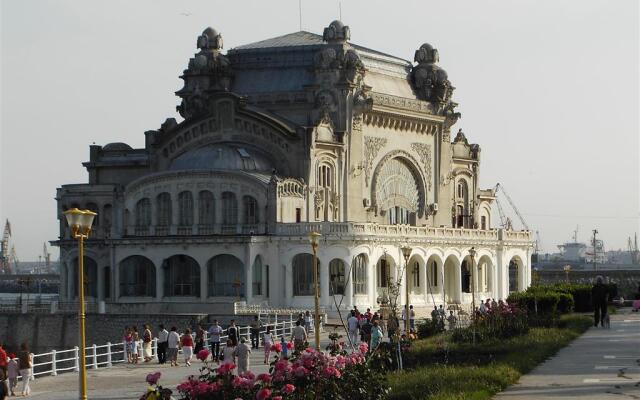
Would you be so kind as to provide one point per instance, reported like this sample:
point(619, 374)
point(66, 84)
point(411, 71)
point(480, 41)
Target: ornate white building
point(281, 137)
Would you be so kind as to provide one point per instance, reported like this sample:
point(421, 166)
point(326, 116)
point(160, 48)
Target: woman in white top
point(267, 339)
point(228, 354)
point(308, 321)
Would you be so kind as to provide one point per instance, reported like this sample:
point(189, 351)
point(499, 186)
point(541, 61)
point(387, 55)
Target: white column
point(424, 285)
point(348, 290)
point(204, 282)
point(248, 281)
point(288, 285)
point(324, 281)
point(70, 283)
point(100, 283)
point(372, 285)
point(159, 280)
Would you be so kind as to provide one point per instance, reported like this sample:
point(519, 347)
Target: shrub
point(430, 327)
point(499, 323)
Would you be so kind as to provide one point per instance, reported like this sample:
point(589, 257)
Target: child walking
point(267, 339)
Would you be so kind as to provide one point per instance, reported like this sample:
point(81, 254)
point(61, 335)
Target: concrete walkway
point(127, 381)
point(601, 364)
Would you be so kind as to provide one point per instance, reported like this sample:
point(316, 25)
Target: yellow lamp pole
point(406, 253)
point(472, 253)
point(314, 240)
point(80, 222)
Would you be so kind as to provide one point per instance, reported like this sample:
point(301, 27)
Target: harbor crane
point(505, 222)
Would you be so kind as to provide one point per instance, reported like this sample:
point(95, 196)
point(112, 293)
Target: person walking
point(126, 344)
point(163, 335)
point(285, 349)
point(308, 321)
point(13, 370)
point(392, 326)
point(25, 362)
point(599, 298)
point(242, 353)
point(412, 318)
point(267, 340)
point(135, 339)
point(215, 331)
point(233, 333)
point(352, 327)
point(186, 341)
point(146, 343)
point(299, 336)
point(376, 336)
point(199, 342)
point(229, 354)
point(452, 320)
point(173, 340)
point(3, 360)
point(255, 326)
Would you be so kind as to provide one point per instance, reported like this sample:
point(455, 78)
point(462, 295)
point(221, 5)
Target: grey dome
point(222, 157)
point(117, 146)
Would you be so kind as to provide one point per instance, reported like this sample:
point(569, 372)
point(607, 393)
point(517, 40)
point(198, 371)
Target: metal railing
point(105, 356)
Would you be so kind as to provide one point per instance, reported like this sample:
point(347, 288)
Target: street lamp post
point(80, 222)
point(472, 253)
point(314, 240)
point(406, 253)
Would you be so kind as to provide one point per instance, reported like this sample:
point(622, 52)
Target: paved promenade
point(126, 381)
point(602, 364)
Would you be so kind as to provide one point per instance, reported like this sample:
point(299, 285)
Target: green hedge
point(581, 294)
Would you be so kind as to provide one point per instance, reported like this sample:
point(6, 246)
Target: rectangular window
point(298, 214)
point(483, 222)
point(384, 274)
point(416, 275)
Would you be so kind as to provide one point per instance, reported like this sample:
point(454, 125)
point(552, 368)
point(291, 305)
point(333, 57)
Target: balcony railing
point(355, 228)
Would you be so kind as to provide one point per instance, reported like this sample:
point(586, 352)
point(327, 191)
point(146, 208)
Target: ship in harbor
point(591, 256)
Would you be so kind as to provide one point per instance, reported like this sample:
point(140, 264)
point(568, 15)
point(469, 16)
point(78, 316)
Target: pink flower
point(203, 355)
point(263, 394)
point(281, 365)
point(153, 379)
point(363, 348)
point(301, 371)
point(290, 346)
point(277, 347)
point(288, 388)
point(225, 368)
point(266, 378)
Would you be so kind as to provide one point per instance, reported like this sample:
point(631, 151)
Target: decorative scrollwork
point(372, 146)
point(424, 152)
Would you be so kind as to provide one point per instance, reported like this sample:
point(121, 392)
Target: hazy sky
point(549, 89)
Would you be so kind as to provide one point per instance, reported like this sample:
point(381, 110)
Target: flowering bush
point(498, 323)
point(308, 375)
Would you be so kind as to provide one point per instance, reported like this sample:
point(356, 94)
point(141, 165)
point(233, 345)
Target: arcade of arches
point(363, 279)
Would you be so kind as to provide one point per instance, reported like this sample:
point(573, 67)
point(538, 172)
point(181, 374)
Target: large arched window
point(250, 210)
point(206, 210)
point(432, 273)
point(185, 208)
point(225, 276)
point(90, 277)
point(359, 273)
point(302, 266)
point(397, 192)
point(181, 276)
point(337, 279)
point(163, 208)
point(325, 176)
point(143, 213)
point(137, 277)
point(384, 273)
point(229, 208)
point(415, 275)
point(257, 277)
point(466, 276)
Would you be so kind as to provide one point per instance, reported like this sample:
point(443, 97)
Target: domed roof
point(222, 157)
point(210, 32)
point(117, 146)
point(337, 24)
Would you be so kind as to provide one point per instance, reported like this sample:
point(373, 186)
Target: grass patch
point(442, 370)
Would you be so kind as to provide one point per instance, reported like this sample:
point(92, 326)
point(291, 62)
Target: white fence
point(105, 356)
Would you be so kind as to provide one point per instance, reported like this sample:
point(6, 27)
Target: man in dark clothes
point(599, 298)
